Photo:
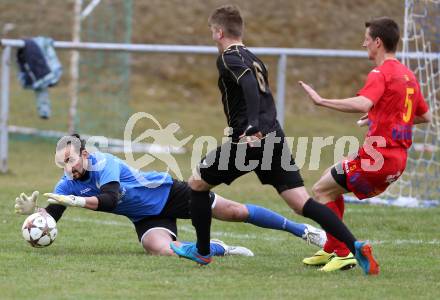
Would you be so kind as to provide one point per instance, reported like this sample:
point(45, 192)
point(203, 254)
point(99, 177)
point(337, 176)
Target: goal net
point(103, 87)
point(419, 185)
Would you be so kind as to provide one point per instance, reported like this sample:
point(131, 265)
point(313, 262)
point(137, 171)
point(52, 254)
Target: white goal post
point(281, 53)
point(419, 184)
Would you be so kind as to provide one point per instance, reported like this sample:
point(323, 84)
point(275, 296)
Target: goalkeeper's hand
point(69, 200)
point(26, 205)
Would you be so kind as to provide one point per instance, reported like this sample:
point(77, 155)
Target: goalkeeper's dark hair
point(74, 140)
point(228, 17)
point(387, 30)
point(82, 141)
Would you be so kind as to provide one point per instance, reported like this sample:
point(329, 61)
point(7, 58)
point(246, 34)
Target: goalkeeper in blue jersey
point(151, 200)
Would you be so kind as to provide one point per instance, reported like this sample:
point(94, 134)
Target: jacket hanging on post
point(40, 69)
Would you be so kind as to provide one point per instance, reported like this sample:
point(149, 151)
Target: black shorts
point(176, 207)
point(272, 162)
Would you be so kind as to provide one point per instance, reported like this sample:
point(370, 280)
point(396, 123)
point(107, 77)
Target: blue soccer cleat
point(189, 251)
point(364, 256)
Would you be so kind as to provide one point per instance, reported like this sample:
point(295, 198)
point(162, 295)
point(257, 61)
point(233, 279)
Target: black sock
point(201, 215)
point(325, 217)
point(55, 210)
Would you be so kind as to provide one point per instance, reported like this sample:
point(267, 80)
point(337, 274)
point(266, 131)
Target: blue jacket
point(39, 70)
point(39, 64)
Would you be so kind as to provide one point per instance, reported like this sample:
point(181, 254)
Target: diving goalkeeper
point(151, 200)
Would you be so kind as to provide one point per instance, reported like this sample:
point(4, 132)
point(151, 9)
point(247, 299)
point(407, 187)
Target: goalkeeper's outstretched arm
point(27, 205)
point(106, 200)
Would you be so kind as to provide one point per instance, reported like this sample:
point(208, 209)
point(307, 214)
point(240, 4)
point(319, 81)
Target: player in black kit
point(257, 143)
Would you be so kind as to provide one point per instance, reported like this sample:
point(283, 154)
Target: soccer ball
point(39, 230)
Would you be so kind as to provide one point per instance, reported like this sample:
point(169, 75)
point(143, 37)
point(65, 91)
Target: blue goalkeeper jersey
point(141, 194)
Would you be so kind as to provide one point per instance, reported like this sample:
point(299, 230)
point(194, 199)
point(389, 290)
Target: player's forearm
point(91, 203)
point(94, 202)
point(56, 210)
point(108, 197)
point(105, 201)
point(350, 105)
point(353, 105)
point(419, 120)
point(425, 118)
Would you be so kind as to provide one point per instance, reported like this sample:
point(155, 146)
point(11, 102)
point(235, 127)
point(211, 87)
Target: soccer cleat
point(233, 250)
point(314, 236)
point(189, 251)
point(319, 258)
point(340, 263)
point(364, 256)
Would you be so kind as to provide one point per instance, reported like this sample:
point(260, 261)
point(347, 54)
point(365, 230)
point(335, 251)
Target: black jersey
point(247, 99)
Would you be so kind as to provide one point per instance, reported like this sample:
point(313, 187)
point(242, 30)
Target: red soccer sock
point(341, 206)
point(332, 244)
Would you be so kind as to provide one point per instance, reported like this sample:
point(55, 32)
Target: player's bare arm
point(359, 104)
point(425, 118)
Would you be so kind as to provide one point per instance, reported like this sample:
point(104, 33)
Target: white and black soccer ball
point(39, 230)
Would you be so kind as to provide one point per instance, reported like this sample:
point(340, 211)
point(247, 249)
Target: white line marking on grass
point(247, 236)
point(360, 209)
point(406, 242)
point(100, 222)
point(183, 228)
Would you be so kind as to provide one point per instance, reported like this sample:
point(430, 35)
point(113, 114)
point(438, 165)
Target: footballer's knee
point(296, 198)
point(239, 212)
point(163, 251)
point(158, 250)
point(316, 190)
point(198, 184)
point(157, 242)
point(323, 194)
point(228, 210)
point(298, 209)
point(319, 192)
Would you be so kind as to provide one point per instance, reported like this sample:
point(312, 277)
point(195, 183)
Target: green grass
point(96, 255)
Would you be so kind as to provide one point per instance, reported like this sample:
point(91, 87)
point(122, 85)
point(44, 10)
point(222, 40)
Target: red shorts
point(365, 181)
